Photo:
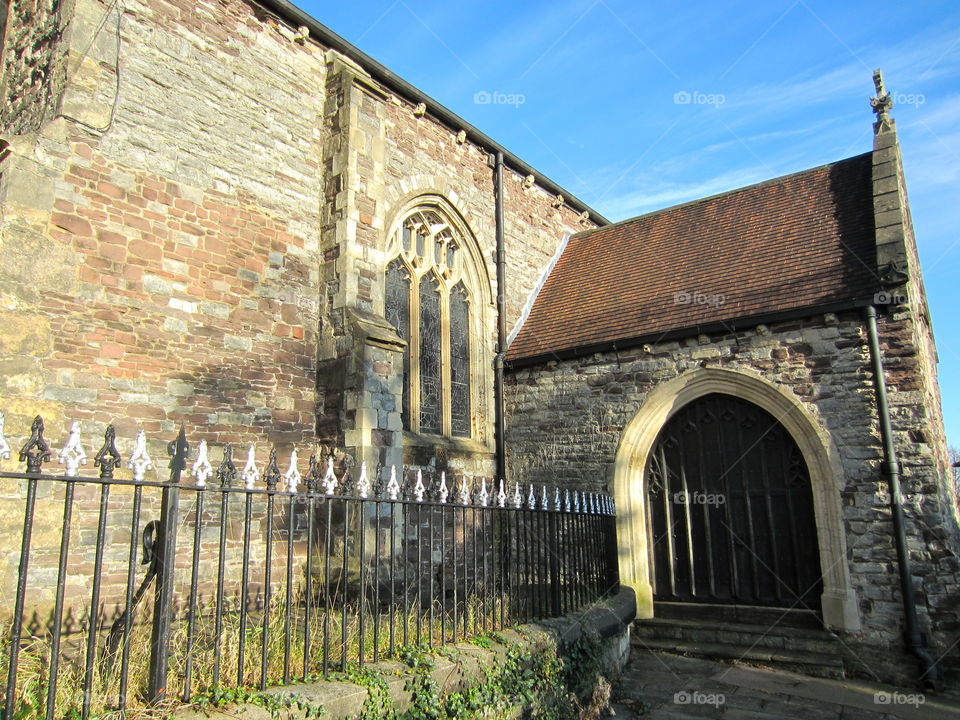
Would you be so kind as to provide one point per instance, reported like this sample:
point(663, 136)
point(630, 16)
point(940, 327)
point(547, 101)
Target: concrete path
point(661, 685)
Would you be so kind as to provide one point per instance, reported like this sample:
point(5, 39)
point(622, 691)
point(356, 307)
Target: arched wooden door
point(731, 509)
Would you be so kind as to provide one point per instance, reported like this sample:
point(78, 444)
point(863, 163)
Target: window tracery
point(430, 299)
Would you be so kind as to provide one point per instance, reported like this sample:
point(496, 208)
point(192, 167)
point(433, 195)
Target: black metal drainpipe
point(929, 671)
point(499, 422)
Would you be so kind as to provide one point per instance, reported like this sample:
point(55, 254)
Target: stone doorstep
point(812, 663)
point(655, 625)
point(738, 614)
point(851, 693)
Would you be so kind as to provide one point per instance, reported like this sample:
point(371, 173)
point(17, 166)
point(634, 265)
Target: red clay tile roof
point(803, 240)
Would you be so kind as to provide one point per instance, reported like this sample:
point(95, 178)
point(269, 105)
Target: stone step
point(767, 636)
point(741, 614)
point(788, 640)
point(829, 665)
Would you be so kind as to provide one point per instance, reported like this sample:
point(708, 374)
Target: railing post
point(553, 547)
point(165, 558)
point(613, 554)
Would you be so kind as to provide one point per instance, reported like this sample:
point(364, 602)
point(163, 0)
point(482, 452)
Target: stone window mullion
point(445, 356)
point(414, 379)
point(432, 379)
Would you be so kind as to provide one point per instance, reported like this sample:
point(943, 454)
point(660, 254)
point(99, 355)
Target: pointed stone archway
point(838, 602)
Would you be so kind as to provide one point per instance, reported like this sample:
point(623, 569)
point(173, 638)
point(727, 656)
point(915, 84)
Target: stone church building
point(222, 215)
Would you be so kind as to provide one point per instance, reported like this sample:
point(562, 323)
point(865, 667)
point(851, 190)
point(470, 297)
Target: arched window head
point(429, 241)
point(434, 286)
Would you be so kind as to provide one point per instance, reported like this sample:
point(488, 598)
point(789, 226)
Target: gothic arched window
point(430, 298)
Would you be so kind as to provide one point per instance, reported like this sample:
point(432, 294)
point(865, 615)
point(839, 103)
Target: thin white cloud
point(653, 193)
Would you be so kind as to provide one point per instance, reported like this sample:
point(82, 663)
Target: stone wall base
point(461, 665)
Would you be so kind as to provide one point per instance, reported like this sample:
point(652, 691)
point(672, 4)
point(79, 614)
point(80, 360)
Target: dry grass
point(342, 649)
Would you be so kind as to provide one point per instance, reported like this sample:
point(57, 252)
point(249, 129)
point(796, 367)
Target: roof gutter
point(290, 12)
point(724, 326)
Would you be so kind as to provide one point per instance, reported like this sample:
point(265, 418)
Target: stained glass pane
point(397, 311)
point(406, 237)
point(459, 362)
point(430, 369)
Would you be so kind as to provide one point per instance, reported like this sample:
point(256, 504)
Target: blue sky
point(634, 106)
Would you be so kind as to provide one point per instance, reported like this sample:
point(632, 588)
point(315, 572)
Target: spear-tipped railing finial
point(140, 461)
point(108, 459)
point(72, 453)
point(202, 469)
point(292, 476)
point(35, 451)
point(250, 475)
point(227, 471)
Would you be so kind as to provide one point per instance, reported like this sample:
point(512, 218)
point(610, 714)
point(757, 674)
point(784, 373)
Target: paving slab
point(658, 684)
point(897, 702)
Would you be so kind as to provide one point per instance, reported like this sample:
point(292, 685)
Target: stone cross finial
point(878, 82)
point(882, 103)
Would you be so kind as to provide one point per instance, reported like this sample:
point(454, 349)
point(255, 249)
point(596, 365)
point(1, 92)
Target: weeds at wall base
point(534, 683)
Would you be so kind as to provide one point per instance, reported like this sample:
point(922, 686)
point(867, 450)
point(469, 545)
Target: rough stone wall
point(900, 270)
point(31, 68)
point(421, 156)
point(565, 420)
point(198, 239)
point(159, 252)
point(164, 270)
point(379, 155)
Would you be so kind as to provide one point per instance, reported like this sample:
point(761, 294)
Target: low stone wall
point(458, 667)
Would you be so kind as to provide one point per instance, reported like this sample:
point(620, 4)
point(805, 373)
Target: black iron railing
point(134, 590)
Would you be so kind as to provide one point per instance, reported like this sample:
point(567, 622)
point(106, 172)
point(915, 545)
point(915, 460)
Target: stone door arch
point(838, 601)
